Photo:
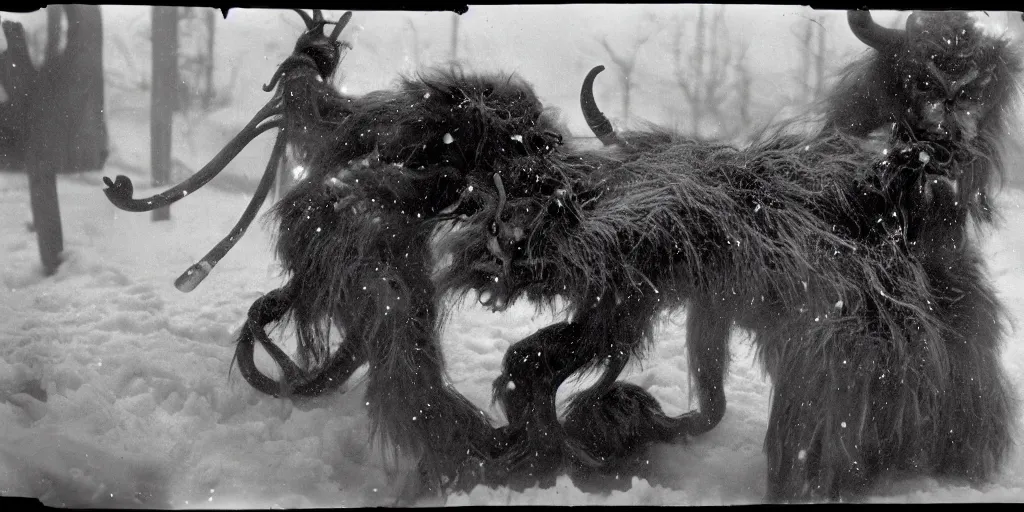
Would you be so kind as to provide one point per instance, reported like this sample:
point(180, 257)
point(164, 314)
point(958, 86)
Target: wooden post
point(163, 98)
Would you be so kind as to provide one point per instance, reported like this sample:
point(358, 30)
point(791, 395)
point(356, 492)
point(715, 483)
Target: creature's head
point(483, 118)
point(492, 247)
point(947, 75)
point(511, 245)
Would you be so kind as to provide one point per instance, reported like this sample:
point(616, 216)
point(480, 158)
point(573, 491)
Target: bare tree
point(702, 72)
point(416, 48)
point(814, 57)
point(625, 64)
point(163, 97)
point(744, 82)
point(196, 36)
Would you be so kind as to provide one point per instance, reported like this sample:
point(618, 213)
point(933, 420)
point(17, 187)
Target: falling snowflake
point(448, 139)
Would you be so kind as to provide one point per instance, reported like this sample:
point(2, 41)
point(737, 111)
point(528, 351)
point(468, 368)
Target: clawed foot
point(524, 457)
point(514, 460)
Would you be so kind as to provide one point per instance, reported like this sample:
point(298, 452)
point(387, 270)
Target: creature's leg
point(295, 381)
point(977, 408)
point(533, 369)
point(613, 422)
point(815, 436)
point(851, 399)
point(974, 420)
point(707, 344)
point(411, 404)
point(350, 355)
point(536, 366)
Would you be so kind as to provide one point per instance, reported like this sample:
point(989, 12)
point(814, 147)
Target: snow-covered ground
point(114, 386)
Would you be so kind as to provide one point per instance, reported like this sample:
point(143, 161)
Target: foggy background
point(712, 71)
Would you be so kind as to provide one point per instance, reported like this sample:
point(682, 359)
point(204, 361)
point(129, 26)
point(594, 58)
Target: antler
point(312, 36)
point(120, 190)
point(340, 25)
point(198, 271)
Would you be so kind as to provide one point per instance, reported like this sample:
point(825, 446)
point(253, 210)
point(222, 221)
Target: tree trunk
point(211, 28)
point(163, 98)
point(18, 77)
point(455, 38)
point(66, 127)
point(819, 60)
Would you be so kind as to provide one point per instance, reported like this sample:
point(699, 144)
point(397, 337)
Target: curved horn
point(305, 18)
point(596, 119)
point(195, 274)
point(119, 191)
point(871, 33)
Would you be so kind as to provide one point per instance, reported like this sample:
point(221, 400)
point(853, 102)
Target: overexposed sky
point(552, 46)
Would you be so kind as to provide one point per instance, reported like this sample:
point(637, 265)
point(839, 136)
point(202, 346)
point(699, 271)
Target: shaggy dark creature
point(807, 226)
point(941, 80)
point(853, 396)
point(796, 240)
point(944, 81)
point(383, 172)
point(948, 89)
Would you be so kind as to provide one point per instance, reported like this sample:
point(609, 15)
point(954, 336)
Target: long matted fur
point(905, 379)
point(802, 240)
point(383, 170)
point(354, 235)
point(791, 239)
